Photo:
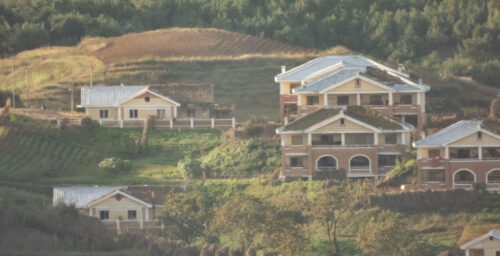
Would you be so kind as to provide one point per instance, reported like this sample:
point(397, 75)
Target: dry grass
point(473, 232)
point(184, 43)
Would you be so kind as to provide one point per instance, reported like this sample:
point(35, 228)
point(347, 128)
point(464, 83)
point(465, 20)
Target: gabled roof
point(114, 95)
point(368, 117)
point(79, 196)
point(453, 133)
point(379, 77)
point(495, 233)
point(323, 63)
point(114, 193)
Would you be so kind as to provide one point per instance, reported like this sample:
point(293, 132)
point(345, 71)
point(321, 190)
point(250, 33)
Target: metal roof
point(300, 72)
point(79, 196)
point(451, 133)
point(107, 96)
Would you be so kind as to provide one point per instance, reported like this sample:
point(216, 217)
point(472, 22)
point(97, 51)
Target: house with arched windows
point(356, 140)
point(459, 156)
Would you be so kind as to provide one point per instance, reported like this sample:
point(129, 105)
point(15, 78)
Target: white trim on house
point(369, 163)
point(147, 90)
point(94, 202)
point(336, 161)
point(463, 169)
point(383, 86)
point(488, 173)
point(493, 233)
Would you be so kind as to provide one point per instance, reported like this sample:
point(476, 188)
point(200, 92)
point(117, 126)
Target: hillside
point(237, 64)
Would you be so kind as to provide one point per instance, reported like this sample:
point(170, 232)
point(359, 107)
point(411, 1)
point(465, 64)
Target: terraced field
point(36, 151)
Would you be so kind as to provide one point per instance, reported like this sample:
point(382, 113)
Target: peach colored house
point(351, 80)
point(459, 156)
point(129, 103)
point(360, 141)
point(486, 245)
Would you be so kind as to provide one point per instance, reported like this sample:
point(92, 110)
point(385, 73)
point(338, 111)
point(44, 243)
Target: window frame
point(312, 100)
point(134, 214)
point(133, 114)
point(104, 214)
point(405, 102)
point(103, 114)
point(377, 102)
point(343, 97)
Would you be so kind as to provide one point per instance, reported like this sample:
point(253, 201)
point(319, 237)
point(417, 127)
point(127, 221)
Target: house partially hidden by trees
point(459, 156)
point(120, 207)
point(485, 245)
point(348, 140)
point(351, 80)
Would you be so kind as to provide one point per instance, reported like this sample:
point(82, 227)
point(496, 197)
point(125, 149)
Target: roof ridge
point(300, 66)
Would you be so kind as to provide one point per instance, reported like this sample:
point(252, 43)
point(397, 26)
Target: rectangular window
point(491, 153)
point(387, 160)
point(391, 138)
point(405, 99)
point(132, 214)
point(433, 175)
point(342, 100)
point(327, 139)
point(312, 100)
point(160, 114)
point(133, 113)
point(103, 113)
point(434, 153)
point(464, 153)
point(376, 100)
point(297, 140)
point(497, 253)
point(104, 215)
point(297, 161)
point(359, 138)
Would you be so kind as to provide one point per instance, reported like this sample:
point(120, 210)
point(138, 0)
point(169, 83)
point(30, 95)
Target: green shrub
point(406, 169)
point(115, 165)
point(190, 168)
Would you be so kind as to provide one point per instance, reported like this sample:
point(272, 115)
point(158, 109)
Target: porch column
point(403, 119)
point(358, 99)
point(282, 140)
point(418, 98)
point(480, 153)
point(446, 153)
point(375, 138)
point(299, 101)
point(325, 99)
point(390, 99)
point(343, 138)
point(309, 139)
point(119, 113)
point(419, 153)
point(403, 138)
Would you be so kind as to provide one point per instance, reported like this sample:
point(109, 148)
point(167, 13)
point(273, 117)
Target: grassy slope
point(33, 151)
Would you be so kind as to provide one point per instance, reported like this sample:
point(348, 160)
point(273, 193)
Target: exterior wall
point(343, 156)
point(118, 209)
point(332, 99)
point(139, 101)
point(348, 126)
point(480, 169)
point(474, 142)
point(94, 113)
point(350, 87)
point(490, 247)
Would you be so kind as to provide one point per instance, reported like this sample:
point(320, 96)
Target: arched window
point(360, 162)
point(464, 177)
point(493, 176)
point(327, 163)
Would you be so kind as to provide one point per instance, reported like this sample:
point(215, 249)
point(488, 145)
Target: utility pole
point(72, 84)
point(27, 86)
point(90, 74)
point(13, 85)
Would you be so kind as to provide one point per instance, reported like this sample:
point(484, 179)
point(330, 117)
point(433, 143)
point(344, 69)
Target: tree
point(388, 236)
point(190, 168)
point(189, 213)
point(243, 217)
point(284, 231)
point(333, 204)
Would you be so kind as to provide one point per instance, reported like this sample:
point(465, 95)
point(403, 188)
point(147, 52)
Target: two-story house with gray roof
point(354, 140)
point(459, 156)
point(351, 80)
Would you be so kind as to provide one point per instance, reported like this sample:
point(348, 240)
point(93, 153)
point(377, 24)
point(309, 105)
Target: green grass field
point(35, 151)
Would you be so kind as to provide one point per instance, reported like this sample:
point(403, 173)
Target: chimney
point(283, 69)
point(420, 81)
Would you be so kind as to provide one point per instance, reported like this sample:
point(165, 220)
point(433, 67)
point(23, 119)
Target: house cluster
point(353, 114)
